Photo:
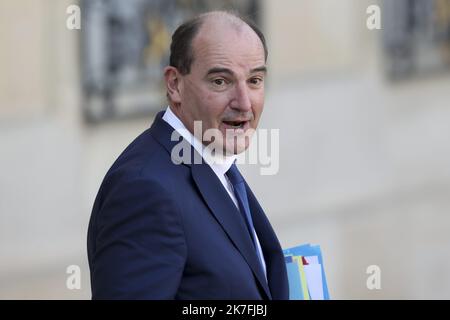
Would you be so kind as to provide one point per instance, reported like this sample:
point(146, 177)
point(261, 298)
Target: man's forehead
point(223, 52)
point(228, 48)
point(216, 61)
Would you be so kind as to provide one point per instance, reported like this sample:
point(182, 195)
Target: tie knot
point(234, 175)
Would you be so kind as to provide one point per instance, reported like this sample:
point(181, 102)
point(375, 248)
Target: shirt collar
point(219, 163)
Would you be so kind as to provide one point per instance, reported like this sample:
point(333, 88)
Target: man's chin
point(227, 149)
point(238, 144)
point(235, 148)
point(232, 145)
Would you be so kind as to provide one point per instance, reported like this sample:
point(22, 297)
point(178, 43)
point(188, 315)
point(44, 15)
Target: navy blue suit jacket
point(160, 230)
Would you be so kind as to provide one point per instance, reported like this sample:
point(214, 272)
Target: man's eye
point(219, 82)
point(256, 81)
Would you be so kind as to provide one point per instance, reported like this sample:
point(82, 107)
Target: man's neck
point(217, 160)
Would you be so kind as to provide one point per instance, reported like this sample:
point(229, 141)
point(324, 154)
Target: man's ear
point(172, 78)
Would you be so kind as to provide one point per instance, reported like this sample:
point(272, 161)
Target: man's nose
point(241, 99)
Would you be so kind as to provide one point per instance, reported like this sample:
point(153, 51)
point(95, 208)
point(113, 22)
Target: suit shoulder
point(144, 159)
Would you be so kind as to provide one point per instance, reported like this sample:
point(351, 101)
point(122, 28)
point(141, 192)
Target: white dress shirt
point(219, 165)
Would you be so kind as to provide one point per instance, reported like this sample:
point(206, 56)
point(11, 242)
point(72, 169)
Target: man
point(161, 229)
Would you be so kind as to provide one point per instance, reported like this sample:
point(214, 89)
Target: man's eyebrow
point(259, 69)
point(226, 70)
point(219, 70)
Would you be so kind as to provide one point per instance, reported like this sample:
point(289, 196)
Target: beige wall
point(22, 34)
point(363, 162)
point(310, 38)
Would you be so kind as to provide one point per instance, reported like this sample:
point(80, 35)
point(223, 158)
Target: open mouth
point(235, 124)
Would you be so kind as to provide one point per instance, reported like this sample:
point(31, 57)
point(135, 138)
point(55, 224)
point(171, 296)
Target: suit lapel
point(230, 219)
point(273, 254)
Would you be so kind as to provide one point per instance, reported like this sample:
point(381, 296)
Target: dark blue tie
point(237, 181)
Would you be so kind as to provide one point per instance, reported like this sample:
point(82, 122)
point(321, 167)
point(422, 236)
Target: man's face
point(225, 86)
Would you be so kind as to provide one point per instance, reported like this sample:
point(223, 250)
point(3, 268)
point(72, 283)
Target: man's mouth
point(235, 124)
